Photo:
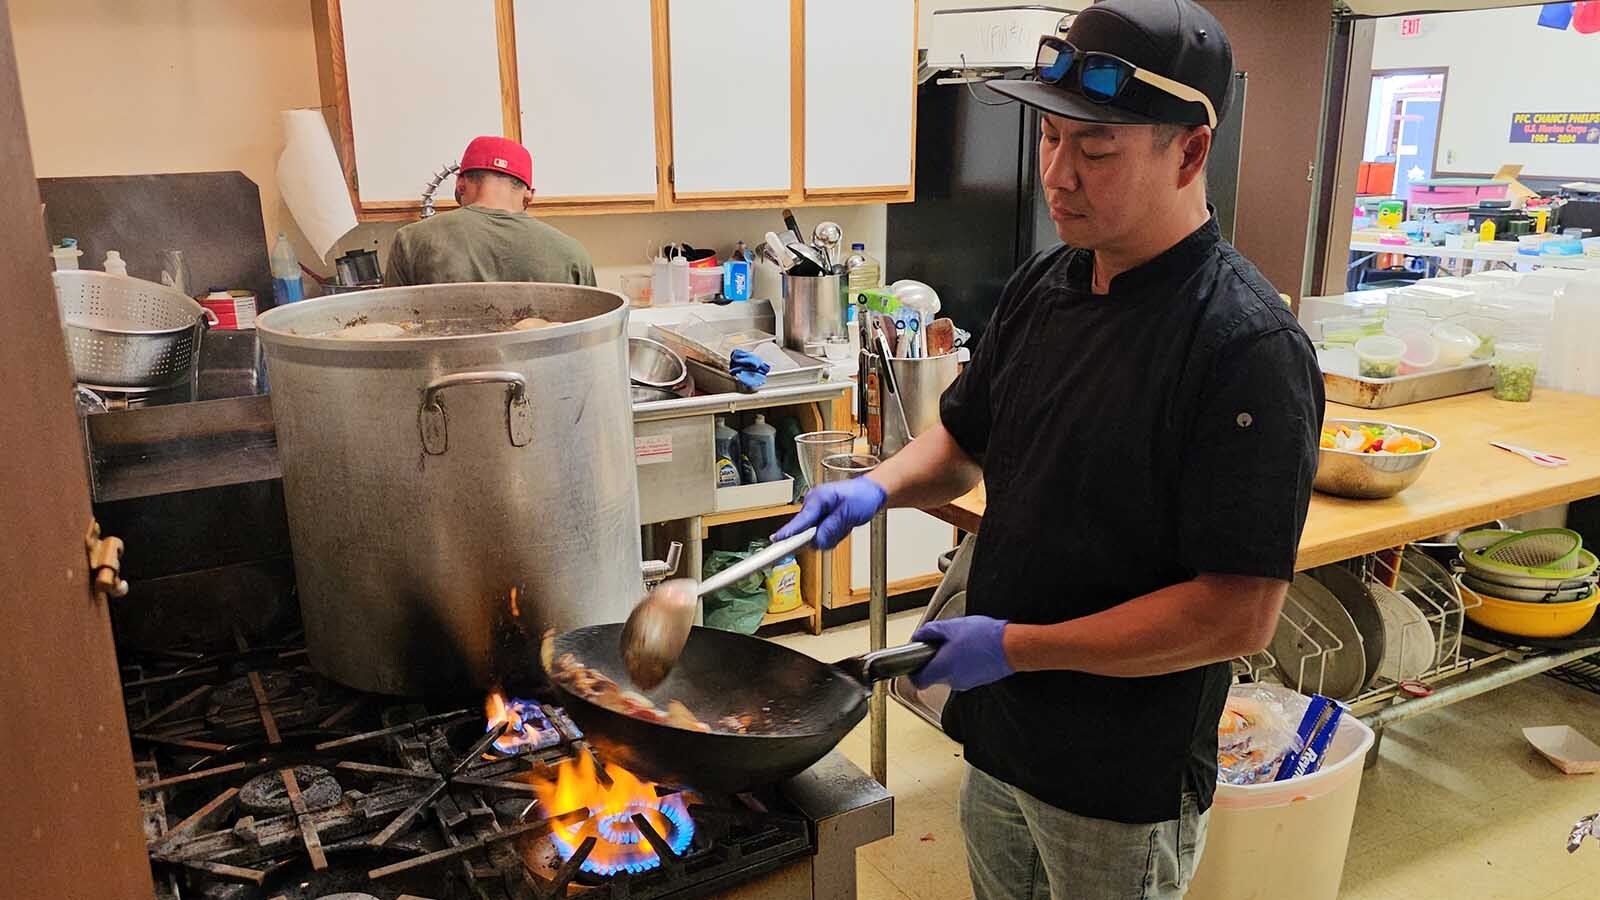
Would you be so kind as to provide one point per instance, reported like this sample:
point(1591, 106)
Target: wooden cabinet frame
point(328, 25)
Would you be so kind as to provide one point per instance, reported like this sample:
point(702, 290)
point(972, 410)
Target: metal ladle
point(656, 630)
point(826, 237)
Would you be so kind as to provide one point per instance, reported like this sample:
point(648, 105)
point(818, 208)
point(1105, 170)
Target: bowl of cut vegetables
point(1370, 460)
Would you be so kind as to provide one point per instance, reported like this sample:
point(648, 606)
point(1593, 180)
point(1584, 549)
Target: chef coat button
point(1244, 420)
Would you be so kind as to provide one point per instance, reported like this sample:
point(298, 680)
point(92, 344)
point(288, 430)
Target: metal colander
point(127, 334)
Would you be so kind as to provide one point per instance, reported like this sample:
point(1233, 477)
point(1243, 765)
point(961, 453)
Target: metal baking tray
point(710, 341)
point(716, 378)
point(1382, 393)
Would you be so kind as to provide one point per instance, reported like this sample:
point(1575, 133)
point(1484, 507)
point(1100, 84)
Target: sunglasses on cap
point(1101, 77)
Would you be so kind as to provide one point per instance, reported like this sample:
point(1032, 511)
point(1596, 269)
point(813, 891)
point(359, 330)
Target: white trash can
point(1285, 838)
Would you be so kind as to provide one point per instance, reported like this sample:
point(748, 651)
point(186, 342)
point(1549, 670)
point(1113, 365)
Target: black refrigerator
point(979, 213)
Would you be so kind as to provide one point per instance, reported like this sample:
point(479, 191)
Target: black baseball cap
point(1178, 39)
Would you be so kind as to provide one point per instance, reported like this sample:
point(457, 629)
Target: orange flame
point(619, 845)
point(525, 724)
point(515, 612)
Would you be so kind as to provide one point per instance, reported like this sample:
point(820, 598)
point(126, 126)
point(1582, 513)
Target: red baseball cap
point(498, 154)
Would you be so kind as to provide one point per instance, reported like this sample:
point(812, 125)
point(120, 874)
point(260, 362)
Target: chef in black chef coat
point(1144, 412)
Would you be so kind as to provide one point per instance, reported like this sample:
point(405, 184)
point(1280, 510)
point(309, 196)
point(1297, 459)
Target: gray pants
point(1020, 848)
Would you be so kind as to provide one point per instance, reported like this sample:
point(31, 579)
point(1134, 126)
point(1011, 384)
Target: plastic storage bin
point(1286, 838)
point(705, 282)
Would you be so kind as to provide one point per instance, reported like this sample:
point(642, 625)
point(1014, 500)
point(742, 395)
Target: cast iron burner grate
point(262, 780)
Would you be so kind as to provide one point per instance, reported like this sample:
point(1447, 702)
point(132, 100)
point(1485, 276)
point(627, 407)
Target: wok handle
point(757, 561)
point(890, 662)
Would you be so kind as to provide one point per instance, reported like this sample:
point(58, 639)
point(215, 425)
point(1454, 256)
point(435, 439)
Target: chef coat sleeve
point(1250, 456)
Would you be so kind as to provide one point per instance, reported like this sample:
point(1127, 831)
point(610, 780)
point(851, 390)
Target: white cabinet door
point(730, 96)
point(588, 99)
point(915, 541)
point(424, 78)
point(860, 91)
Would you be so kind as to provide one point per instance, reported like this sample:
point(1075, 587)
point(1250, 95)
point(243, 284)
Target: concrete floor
point(1459, 806)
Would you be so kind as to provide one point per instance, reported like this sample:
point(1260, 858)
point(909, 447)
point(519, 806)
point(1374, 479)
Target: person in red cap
point(491, 237)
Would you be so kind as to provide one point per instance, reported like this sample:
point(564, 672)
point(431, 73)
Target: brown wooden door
point(70, 825)
point(1284, 48)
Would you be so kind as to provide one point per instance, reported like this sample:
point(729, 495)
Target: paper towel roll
point(312, 182)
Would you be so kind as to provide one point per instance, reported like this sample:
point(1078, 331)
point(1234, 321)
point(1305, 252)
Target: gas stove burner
point(239, 693)
point(267, 795)
point(620, 845)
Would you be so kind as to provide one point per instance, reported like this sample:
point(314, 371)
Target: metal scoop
point(658, 627)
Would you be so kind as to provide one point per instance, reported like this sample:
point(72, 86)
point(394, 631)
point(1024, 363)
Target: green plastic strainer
point(1541, 548)
point(1483, 539)
point(1518, 576)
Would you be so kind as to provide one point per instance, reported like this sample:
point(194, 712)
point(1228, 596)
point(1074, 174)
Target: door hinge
point(671, 179)
point(105, 564)
point(1311, 171)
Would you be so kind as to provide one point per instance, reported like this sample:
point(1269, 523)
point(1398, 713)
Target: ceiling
point(1397, 7)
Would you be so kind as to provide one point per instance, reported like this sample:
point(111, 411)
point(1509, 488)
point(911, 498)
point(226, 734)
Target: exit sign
point(1410, 26)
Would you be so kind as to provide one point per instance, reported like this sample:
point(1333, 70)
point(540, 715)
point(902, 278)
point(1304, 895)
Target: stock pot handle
point(433, 424)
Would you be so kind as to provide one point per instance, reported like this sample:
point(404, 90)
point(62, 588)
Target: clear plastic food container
point(1380, 356)
point(1515, 368)
point(1456, 343)
point(1421, 350)
point(705, 282)
point(1349, 329)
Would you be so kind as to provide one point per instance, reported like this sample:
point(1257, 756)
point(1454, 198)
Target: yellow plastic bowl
point(1535, 620)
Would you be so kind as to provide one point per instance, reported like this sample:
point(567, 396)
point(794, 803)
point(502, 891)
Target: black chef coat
point(1129, 441)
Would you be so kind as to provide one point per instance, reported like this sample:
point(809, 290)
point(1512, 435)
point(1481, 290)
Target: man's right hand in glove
point(836, 508)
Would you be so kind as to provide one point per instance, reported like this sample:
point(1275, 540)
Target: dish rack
point(1426, 583)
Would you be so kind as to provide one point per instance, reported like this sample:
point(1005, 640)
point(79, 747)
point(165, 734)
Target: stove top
point(261, 779)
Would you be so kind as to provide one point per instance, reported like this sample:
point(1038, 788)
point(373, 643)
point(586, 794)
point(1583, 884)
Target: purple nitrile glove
point(971, 652)
point(836, 508)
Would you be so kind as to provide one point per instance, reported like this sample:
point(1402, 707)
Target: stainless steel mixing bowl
point(1370, 476)
point(654, 364)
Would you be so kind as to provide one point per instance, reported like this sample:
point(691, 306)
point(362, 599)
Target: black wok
point(804, 708)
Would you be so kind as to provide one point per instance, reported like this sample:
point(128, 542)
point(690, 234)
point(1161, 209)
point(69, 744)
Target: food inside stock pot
point(376, 331)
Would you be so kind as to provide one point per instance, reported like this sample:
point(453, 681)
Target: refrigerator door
point(961, 234)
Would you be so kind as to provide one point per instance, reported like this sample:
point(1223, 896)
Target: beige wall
point(114, 87)
point(121, 87)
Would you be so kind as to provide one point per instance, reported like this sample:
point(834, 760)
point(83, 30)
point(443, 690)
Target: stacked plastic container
point(1573, 354)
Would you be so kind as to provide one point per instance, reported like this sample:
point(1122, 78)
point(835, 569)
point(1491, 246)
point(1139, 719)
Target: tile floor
point(1459, 807)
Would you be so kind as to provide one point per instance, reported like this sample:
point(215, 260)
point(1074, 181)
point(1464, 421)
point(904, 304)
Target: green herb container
point(1515, 368)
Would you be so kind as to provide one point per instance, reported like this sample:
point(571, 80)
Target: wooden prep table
point(1467, 481)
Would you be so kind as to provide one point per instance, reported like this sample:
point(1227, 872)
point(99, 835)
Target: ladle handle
point(755, 562)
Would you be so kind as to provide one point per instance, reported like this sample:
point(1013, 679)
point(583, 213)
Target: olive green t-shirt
point(475, 243)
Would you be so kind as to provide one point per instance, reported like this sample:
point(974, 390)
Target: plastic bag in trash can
point(739, 607)
point(1256, 732)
